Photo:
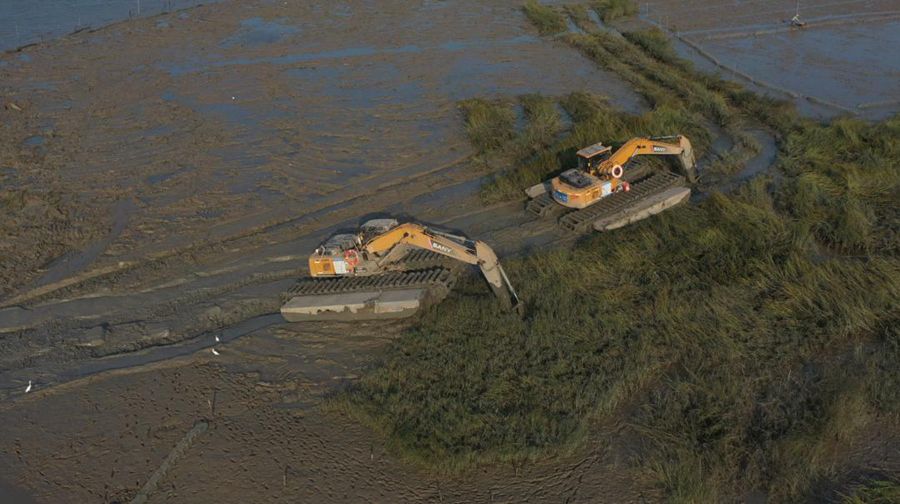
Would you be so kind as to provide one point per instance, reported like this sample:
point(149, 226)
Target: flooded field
point(839, 64)
point(170, 174)
point(831, 66)
point(24, 22)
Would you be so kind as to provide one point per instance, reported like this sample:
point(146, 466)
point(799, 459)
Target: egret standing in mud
point(214, 351)
point(28, 388)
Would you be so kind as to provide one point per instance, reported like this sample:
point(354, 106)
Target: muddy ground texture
point(163, 180)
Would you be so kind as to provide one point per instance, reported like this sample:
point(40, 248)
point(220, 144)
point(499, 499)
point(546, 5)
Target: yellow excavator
point(575, 194)
point(599, 173)
point(387, 256)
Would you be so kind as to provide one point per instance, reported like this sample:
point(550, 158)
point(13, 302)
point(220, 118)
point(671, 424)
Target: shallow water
point(25, 22)
point(847, 65)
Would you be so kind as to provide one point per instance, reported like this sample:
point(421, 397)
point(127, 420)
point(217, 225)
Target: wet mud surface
point(27, 23)
point(166, 179)
point(835, 65)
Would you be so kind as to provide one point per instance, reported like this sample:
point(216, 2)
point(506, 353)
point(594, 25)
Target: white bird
point(232, 97)
point(28, 388)
point(217, 338)
point(214, 351)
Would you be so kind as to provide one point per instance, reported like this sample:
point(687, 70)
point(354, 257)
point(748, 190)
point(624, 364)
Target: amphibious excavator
point(605, 192)
point(389, 269)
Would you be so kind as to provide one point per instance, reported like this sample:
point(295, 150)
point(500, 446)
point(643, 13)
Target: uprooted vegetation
point(746, 341)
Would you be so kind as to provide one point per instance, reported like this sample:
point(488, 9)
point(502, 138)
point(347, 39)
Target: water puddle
point(250, 183)
point(572, 27)
point(29, 22)
point(41, 86)
point(758, 164)
point(10, 381)
point(349, 52)
point(595, 18)
point(231, 109)
point(258, 31)
point(764, 160)
point(34, 141)
point(158, 131)
point(159, 178)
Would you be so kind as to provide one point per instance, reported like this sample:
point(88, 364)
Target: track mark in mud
point(49, 378)
point(312, 215)
point(176, 453)
point(67, 266)
point(351, 52)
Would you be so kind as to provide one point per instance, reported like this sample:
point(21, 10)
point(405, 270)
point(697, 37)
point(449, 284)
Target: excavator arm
point(682, 150)
point(396, 242)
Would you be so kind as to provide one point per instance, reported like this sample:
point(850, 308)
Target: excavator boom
point(655, 146)
point(395, 243)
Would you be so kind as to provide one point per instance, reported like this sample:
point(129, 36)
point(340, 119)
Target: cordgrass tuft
point(610, 10)
point(545, 18)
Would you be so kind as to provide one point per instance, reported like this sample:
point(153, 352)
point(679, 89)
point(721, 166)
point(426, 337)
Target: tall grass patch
point(545, 18)
point(610, 10)
point(490, 124)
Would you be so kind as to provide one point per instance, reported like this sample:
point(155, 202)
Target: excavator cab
point(582, 186)
point(376, 227)
point(589, 158)
point(329, 259)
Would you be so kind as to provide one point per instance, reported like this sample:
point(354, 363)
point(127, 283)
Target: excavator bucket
point(496, 277)
point(687, 161)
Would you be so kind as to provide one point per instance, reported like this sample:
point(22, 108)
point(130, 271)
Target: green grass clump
point(874, 492)
point(610, 10)
point(490, 124)
point(543, 124)
point(656, 43)
point(545, 18)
